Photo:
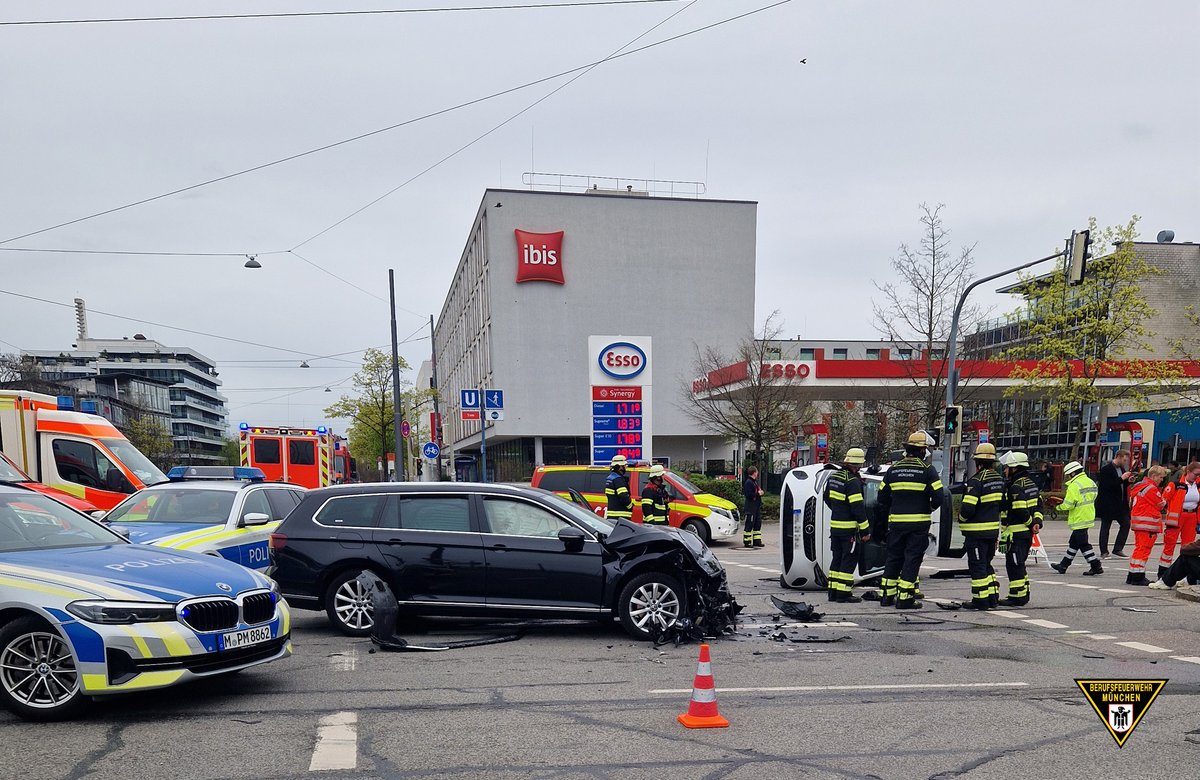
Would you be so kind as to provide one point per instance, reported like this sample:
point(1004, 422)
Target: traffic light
point(1081, 252)
point(953, 426)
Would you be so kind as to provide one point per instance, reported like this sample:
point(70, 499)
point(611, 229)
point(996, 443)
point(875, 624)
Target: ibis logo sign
point(539, 257)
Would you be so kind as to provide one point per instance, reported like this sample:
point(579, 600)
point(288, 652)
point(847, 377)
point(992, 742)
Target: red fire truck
point(310, 457)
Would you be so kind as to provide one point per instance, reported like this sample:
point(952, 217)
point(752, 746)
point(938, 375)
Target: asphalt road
point(880, 694)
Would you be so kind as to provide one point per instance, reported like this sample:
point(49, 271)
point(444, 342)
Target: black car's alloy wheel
point(348, 604)
point(649, 603)
point(38, 678)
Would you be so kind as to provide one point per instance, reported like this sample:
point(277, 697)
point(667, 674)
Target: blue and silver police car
point(85, 613)
point(220, 510)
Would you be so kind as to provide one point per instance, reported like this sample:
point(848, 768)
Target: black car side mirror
point(572, 538)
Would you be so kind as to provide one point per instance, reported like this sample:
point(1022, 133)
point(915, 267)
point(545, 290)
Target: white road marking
point(344, 662)
point(1144, 647)
point(1007, 614)
point(831, 624)
point(1044, 623)
point(898, 687)
point(1048, 582)
point(1116, 590)
point(1081, 586)
point(763, 568)
point(337, 742)
point(1191, 659)
point(1100, 636)
point(1079, 631)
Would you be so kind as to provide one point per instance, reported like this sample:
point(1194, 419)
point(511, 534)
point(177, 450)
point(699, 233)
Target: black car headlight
point(122, 612)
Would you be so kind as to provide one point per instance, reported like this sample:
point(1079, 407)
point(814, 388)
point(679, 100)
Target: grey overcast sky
point(1024, 118)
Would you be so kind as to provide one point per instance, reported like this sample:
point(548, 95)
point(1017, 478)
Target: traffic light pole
point(952, 369)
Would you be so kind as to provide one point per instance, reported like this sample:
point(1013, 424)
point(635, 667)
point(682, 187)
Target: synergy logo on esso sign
point(622, 360)
point(539, 257)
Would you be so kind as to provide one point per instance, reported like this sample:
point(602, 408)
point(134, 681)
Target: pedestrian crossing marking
point(1145, 648)
point(1191, 659)
point(1007, 614)
point(1045, 623)
point(1116, 590)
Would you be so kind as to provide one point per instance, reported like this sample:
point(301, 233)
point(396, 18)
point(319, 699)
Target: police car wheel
point(38, 678)
point(649, 603)
point(697, 527)
point(348, 604)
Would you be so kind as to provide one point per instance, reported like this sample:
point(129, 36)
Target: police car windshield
point(135, 461)
point(33, 522)
point(175, 505)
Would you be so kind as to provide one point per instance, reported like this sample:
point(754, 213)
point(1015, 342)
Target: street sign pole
point(482, 435)
point(397, 412)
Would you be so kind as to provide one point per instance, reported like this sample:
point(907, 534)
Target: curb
point(1188, 593)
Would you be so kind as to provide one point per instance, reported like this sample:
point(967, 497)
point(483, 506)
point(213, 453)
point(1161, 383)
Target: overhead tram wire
point(405, 123)
point(494, 128)
point(163, 325)
point(300, 14)
point(139, 253)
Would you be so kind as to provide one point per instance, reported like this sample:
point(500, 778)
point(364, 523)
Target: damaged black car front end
point(665, 585)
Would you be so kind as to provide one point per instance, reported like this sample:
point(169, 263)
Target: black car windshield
point(35, 522)
point(175, 505)
point(579, 514)
point(10, 474)
point(135, 461)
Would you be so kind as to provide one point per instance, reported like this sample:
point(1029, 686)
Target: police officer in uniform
point(1020, 519)
point(616, 490)
point(911, 490)
point(654, 498)
point(979, 521)
point(848, 524)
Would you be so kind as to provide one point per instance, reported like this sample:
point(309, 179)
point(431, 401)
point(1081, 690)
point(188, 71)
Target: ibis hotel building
point(586, 310)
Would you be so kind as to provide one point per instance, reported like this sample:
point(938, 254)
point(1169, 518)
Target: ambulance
point(309, 457)
point(804, 545)
point(80, 454)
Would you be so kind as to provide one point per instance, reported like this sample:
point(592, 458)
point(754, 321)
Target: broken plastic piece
point(799, 610)
point(1138, 609)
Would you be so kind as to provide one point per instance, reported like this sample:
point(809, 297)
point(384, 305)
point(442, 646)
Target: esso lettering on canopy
point(784, 371)
point(622, 360)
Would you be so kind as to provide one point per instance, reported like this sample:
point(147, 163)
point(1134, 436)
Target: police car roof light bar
point(192, 473)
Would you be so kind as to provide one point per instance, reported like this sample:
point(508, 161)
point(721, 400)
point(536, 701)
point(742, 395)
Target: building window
point(840, 354)
point(937, 354)
point(905, 354)
point(772, 353)
point(873, 354)
point(808, 353)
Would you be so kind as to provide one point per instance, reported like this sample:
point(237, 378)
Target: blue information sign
point(431, 451)
point(468, 399)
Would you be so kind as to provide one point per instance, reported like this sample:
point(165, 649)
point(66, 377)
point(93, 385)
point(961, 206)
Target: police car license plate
point(251, 636)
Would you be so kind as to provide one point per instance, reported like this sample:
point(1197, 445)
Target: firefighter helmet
point(918, 439)
point(1072, 468)
point(855, 455)
point(619, 460)
point(985, 451)
point(657, 470)
point(1013, 458)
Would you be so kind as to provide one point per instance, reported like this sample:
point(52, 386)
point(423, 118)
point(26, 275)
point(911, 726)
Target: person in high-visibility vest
point(654, 498)
point(1079, 501)
point(616, 490)
point(911, 490)
point(1020, 519)
point(979, 522)
point(1183, 513)
point(848, 524)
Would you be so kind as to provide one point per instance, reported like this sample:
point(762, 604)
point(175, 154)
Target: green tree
point(369, 409)
point(152, 438)
point(231, 451)
point(1075, 333)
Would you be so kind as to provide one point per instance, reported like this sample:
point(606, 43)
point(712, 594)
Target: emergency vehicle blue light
point(243, 426)
point(185, 473)
point(185, 612)
point(321, 429)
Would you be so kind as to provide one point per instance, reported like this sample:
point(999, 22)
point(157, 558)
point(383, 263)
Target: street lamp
point(252, 262)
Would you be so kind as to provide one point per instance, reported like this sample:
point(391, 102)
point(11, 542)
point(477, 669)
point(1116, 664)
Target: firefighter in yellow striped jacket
point(1079, 501)
point(848, 524)
point(655, 509)
point(1020, 519)
point(979, 521)
point(911, 490)
point(616, 490)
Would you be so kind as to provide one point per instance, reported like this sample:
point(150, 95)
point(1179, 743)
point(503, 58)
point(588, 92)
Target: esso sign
point(783, 371)
point(622, 360)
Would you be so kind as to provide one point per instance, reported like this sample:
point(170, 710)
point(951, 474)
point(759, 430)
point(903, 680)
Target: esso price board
point(616, 424)
point(617, 408)
point(617, 439)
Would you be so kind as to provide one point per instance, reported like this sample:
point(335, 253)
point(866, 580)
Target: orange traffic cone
point(702, 709)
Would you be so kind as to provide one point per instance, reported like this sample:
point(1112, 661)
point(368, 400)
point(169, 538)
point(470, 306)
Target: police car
point(804, 528)
point(84, 613)
point(219, 510)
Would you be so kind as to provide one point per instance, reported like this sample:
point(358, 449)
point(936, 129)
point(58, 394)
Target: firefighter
point(654, 498)
point(752, 493)
point(1079, 500)
point(1020, 519)
point(980, 525)
point(911, 490)
point(616, 490)
point(848, 525)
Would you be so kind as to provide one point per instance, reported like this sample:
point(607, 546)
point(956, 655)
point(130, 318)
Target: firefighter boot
point(850, 598)
point(1061, 566)
point(908, 604)
point(1137, 579)
point(887, 601)
point(1014, 602)
point(981, 603)
point(994, 601)
point(1096, 569)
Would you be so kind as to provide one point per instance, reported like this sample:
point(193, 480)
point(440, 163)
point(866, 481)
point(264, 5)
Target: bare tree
point(735, 398)
point(916, 309)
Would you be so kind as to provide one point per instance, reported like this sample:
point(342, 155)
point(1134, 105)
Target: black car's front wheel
point(348, 604)
point(38, 678)
point(649, 603)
